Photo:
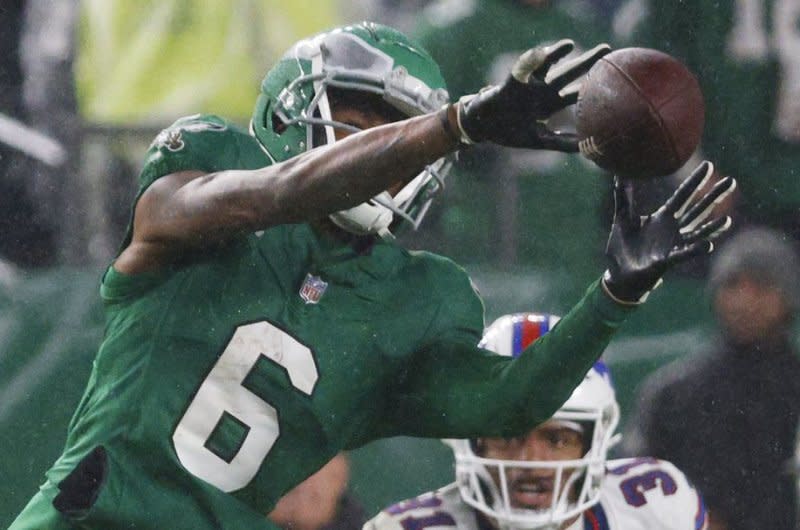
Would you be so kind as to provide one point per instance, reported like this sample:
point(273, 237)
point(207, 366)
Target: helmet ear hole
point(278, 126)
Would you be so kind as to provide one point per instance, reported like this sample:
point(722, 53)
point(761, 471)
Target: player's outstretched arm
point(192, 210)
point(455, 391)
point(641, 249)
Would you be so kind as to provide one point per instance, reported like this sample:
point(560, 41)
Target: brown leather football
point(640, 113)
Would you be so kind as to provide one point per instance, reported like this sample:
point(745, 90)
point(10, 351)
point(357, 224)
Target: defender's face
point(533, 489)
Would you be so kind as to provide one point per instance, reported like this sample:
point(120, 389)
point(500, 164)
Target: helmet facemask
point(345, 61)
point(592, 409)
point(484, 485)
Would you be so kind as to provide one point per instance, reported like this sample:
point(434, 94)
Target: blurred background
point(85, 85)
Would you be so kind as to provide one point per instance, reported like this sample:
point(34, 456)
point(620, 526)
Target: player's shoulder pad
point(444, 272)
point(201, 142)
point(648, 493)
point(442, 508)
point(188, 132)
point(447, 282)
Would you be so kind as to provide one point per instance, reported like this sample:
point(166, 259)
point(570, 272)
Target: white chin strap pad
point(365, 219)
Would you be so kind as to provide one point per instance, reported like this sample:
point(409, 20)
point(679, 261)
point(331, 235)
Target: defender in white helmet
point(557, 475)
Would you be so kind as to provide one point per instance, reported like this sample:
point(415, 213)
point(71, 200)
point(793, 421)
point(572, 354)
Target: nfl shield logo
point(312, 289)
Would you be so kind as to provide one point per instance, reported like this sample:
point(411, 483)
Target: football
point(640, 113)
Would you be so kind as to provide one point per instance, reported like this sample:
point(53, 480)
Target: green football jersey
point(744, 54)
point(222, 384)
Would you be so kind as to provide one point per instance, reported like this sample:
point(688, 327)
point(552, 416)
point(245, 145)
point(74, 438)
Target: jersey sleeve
point(460, 314)
point(201, 142)
point(653, 494)
point(452, 388)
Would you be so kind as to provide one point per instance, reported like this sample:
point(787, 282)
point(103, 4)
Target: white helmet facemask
point(343, 61)
point(576, 483)
point(592, 408)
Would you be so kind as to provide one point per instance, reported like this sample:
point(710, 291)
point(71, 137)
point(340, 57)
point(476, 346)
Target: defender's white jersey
point(637, 494)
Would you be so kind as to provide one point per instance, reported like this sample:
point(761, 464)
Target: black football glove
point(641, 249)
point(512, 114)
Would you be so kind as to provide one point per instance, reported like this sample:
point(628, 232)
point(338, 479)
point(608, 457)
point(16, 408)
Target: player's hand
point(641, 249)
point(512, 113)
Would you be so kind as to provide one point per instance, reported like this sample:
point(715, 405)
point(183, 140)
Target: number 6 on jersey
point(222, 395)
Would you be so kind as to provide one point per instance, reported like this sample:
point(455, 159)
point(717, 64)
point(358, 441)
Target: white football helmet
point(592, 408)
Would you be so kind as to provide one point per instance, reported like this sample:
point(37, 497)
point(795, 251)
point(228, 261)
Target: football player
point(556, 475)
point(260, 317)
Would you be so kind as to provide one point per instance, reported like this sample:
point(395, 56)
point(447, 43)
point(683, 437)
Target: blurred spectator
point(11, 14)
point(153, 61)
point(25, 237)
point(321, 502)
point(744, 53)
point(47, 54)
point(549, 236)
point(142, 64)
point(728, 416)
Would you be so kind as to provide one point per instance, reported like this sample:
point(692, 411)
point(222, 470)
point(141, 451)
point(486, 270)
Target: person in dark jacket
point(728, 416)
